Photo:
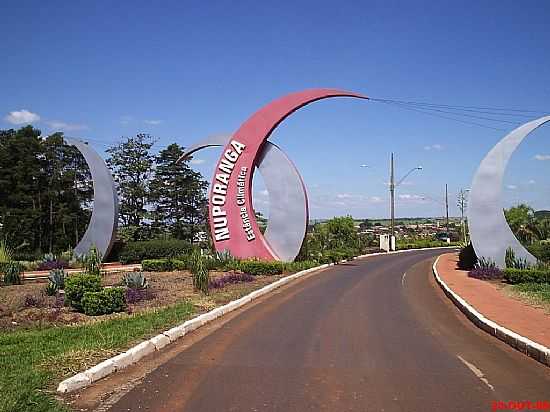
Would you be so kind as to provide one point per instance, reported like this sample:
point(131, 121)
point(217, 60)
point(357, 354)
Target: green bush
point(77, 285)
point(178, 264)
point(299, 266)
point(467, 258)
point(526, 276)
point(153, 249)
point(260, 267)
point(156, 265)
point(106, 301)
point(10, 272)
point(540, 250)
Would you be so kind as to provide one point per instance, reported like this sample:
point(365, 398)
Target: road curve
point(371, 335)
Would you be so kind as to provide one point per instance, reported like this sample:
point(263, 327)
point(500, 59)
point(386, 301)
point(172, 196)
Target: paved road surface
point(362, 336)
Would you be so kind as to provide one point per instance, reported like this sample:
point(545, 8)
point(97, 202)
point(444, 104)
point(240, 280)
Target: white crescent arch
point(103, 224)
point(288, 202)
point(489, 231)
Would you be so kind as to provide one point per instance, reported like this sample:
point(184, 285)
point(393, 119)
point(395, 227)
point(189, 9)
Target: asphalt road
point(370, 335)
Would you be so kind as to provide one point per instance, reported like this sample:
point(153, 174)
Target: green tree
point(178, 195)
point(45, 188)
point(521, 219)
point(131, 163)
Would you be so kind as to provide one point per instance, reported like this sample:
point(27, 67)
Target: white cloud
point(436, 146)
point(531, 182)
point(542, 157)
point(22, 117)
point(343, 196)
point(375, 199)
point(67, 127)
point(411, 197)
point(512, 187)
point(197, 161)
point(153, 122)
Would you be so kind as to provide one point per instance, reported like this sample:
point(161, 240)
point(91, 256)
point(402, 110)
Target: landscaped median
point(496, 308)
point(60, 344)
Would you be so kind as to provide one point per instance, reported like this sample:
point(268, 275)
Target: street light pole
point(392, 198)
point(447, 210)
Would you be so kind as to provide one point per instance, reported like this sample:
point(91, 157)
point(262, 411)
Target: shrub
point(11, 273)
point(179, 264)
point(77, 285)
point(92, 261)
point(156, 265)
point(103, 302)
point(526, 276)
point(230, 279)
point(261, 268)
point(299, 266)
point(135, 280)
point(137, 295)
point(486, 273)
point(540, 250)
point(467, 258)
point(153, 249)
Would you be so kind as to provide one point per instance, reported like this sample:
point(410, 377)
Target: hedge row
point(526, 276)
point(163, 265)
point(135, 252)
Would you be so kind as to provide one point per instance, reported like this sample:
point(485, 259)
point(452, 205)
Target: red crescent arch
point(253, 133)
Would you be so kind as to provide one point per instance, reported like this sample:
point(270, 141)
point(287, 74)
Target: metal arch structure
point(103, 224)
point(232, 219)
point(489, 231)
point(288, 205)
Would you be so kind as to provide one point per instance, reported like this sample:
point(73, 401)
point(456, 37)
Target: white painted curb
point(158, 342)
point(533, 349)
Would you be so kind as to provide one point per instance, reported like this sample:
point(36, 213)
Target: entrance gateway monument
point(232, 219)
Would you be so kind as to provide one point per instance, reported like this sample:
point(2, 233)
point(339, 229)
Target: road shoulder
point(521, 326)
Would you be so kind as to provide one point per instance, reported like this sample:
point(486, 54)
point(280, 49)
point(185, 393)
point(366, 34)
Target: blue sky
point(184, 70)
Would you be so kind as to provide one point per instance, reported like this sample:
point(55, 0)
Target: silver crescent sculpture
point(489, 231)
point(103, 224)
point(288, 204)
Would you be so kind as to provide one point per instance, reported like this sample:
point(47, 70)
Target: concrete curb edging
point(134, 354)
point(521, 343)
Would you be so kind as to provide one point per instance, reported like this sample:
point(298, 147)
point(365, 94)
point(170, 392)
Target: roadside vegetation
point(527, 281)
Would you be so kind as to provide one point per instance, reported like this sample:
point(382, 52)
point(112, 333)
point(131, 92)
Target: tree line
point(46, 192)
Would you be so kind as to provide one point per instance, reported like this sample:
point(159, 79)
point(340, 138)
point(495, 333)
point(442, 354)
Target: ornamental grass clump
point(201, 277)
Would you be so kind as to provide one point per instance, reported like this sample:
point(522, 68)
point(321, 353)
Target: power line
point(441, 116)
point(469, 108)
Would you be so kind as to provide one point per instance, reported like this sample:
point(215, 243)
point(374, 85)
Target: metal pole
point(392, 197)
point(447, 210)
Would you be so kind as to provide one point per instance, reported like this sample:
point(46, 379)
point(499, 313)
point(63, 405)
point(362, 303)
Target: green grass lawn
point(538, 293)
point(32, 362)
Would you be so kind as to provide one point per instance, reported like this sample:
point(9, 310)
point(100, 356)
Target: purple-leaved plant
point(229, 279)
point(486, 273)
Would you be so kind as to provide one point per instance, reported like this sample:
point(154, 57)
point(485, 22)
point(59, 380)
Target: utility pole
point(461, 203)
point(447, 210)
point(392, 198)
